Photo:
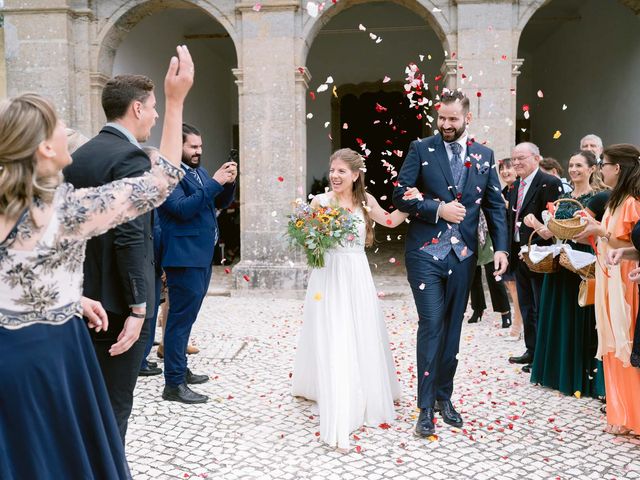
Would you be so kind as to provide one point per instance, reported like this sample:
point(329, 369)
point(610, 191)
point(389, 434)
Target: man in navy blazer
point(189, 235)
point(457, 177)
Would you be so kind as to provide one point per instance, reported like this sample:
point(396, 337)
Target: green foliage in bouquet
point(318, 229)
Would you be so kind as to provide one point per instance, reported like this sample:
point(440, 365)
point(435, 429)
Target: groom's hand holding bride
point(452, 212)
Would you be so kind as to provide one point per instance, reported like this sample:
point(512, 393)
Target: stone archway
point(580, 73)
point(141, 39)
point(366, 74)
point(441, 24)
point(115, 27)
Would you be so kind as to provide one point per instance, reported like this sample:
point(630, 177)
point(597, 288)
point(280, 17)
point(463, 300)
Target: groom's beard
point(452, 135)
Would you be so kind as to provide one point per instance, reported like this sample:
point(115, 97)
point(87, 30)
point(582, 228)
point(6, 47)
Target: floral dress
point(55, 417)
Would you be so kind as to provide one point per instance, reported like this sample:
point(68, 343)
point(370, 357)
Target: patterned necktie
point(193, 172)
point(456, 162)
point(521, 188)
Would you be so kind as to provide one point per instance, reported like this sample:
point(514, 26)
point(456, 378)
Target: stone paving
point(252, 428)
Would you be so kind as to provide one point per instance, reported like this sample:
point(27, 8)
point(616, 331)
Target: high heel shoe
point(506, 320)
point(475, 317)
point(515, 337)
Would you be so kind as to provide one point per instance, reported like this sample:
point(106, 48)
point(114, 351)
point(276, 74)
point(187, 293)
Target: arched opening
point(581, 62)
point(365, 49)
point(212, 104)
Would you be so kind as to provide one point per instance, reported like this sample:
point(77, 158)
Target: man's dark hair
point(628, 157)
point(452, 96)
point(189, 130)
point(549, 163)
point(121, 91)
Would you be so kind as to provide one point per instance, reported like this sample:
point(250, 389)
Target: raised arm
point(177, 84)
point(88, 212)
point(183, 206)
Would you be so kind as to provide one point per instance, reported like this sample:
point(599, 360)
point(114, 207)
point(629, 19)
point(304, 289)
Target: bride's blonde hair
point(355, 162)
point(25, 121)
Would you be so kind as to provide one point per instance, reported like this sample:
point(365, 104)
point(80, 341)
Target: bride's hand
point(412, 194)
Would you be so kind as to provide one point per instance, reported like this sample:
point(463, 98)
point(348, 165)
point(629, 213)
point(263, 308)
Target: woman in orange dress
point(616, 297)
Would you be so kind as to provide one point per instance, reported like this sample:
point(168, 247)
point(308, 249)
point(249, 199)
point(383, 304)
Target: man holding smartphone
point(189, 235)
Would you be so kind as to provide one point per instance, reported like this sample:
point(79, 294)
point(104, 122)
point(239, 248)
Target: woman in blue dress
point(56, 421)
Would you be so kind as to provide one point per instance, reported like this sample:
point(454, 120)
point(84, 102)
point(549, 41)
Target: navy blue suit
point(441, 287)
point(189, 235)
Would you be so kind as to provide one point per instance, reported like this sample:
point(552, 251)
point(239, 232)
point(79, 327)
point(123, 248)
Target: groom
point(457, 178)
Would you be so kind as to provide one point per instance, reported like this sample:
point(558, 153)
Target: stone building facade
point(66, 49)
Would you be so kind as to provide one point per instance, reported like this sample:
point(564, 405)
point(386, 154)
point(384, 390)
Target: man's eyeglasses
point(521, 159)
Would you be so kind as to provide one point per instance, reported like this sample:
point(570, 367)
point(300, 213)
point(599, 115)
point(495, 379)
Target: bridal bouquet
point(318, 229)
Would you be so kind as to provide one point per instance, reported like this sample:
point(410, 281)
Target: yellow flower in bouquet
point(318, 229)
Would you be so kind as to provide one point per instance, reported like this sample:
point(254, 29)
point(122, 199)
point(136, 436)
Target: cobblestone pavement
point(252, 428)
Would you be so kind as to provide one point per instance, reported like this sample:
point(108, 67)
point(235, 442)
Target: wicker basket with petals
point(566, 229)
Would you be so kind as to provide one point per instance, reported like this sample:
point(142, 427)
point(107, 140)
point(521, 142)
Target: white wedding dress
point(343, 360)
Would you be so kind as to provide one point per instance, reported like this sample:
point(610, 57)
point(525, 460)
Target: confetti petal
point(312, 9)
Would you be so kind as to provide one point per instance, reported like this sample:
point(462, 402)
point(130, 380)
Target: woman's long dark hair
point(628, 185)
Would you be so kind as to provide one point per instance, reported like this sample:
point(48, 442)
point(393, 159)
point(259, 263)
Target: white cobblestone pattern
point(252, 428)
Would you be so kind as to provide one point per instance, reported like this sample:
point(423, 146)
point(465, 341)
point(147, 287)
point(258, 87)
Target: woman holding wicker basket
point(566, 342)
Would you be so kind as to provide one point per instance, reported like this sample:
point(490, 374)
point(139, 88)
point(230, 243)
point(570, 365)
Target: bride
point(343, 360)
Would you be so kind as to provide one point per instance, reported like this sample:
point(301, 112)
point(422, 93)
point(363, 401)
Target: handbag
point(587, 292)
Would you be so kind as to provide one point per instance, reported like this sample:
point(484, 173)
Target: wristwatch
point(137, 315)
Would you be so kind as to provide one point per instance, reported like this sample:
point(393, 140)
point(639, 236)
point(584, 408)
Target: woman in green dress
point(567, 340)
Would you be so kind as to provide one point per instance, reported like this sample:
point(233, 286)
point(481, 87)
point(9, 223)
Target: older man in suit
point(189, 235)
point(530, 195)
point(457, 178)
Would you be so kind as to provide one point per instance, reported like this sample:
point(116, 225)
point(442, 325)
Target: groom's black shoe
point(425, 426)
point(449, 414)
point(523, 359)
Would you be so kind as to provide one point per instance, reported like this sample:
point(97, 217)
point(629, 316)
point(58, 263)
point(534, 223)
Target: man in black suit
point(119, 265)
point(530, 194)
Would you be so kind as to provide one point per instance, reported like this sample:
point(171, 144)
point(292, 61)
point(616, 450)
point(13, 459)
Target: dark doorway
point(383, 121)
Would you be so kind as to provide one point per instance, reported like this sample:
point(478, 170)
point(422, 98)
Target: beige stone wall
point(3, 67)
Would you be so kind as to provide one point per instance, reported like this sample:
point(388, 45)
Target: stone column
point(271, 89)
point(485, 56)
point(40, 50)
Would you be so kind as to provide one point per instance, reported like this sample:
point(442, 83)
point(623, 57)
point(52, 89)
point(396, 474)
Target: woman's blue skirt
point(56, 421)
